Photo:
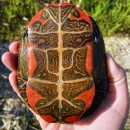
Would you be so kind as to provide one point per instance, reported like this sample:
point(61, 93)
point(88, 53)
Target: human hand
point(110, 115)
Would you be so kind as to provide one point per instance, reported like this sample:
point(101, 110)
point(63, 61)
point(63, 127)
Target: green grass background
point(112, 16)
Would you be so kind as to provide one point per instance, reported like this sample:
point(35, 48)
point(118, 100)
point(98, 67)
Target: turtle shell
point(61, 65)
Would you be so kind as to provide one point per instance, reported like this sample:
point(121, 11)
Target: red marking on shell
point(32, 63)
point(33, 97)
point(72, 119)
point(87, 97)
point(79, 40)
point(29, 44)
point(37, 18)
point(89, 58)
point(83, 15)
point(41, 41)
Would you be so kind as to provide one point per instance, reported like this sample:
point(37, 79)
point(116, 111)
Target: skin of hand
point(110, 115)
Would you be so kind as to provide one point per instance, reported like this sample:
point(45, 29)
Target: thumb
point(115, 72)
point(117, 86)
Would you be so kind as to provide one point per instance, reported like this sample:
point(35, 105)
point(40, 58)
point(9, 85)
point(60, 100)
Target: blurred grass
point(112, 16)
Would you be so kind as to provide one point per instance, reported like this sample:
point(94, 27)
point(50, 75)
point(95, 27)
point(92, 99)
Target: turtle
point(61, 71)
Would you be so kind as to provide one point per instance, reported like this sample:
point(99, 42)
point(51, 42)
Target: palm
point(111, 114)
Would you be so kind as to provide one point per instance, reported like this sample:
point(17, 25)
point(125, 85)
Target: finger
point(10, 60)
point(117, 86)
point(116, 76)
point(14, 82)
point(14, 47)
point(115, 72)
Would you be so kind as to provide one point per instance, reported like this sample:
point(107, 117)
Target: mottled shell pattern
point(61, 66)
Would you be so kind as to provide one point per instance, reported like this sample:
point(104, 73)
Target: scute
point(61, 65)
point(76, 40)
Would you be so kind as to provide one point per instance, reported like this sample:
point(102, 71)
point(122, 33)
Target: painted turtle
point(61, 66)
